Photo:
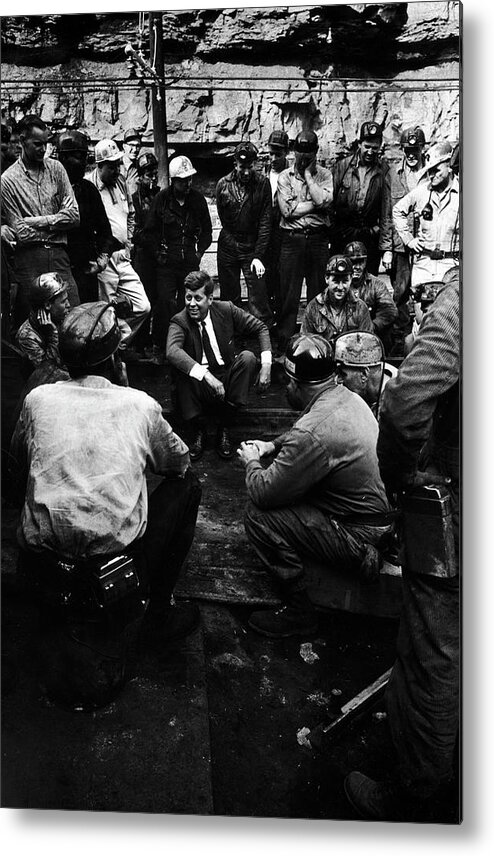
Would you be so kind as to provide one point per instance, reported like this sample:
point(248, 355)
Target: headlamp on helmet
point(339, 266)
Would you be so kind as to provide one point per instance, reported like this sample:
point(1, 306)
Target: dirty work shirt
point(83, 446)
point(328, 460)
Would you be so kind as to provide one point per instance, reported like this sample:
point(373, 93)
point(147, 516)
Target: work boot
point(372, 800)
point(169, 624)
point(198, 444)
point(223, 444)
point(297, 618)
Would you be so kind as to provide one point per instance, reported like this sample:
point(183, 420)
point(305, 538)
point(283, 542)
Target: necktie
point(208, 350)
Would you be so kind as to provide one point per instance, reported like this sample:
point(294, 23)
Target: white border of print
point(49, 833)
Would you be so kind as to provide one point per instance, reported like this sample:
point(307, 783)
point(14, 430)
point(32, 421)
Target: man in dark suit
point(209, 375)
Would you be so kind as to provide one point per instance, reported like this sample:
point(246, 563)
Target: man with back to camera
point(373, 291)
point(39, 206)
point(210, 377)
point(419, 444)
point(336, 309)
point(322, 497)
point(358, 188)
point(118, 278)
point(81, 448)
point(305, 194)
point(243, 200)
point(90, 245)
point(396, 257)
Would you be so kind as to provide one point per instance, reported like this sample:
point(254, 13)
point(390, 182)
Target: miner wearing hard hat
point(177, 233)
point(358, 190)
point(80, 449)
point(336, 309)
point(131, 149)
point(91, 244)
point(305, 194)
point(243, 200)
point(37, 337)
point(373, 291)
point(119, 278)
point(360, 366)
point(434, 204)
point(322, 496)
point(400, 179)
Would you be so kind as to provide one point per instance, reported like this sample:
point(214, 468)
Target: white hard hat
point(181, 167)
point(107, 150)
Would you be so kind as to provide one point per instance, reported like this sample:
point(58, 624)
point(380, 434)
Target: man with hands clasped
point(211, 379)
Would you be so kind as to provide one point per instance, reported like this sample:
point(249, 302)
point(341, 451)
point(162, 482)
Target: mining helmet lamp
point(339, 266)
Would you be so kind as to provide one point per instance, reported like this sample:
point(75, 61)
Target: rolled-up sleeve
point(168, 456)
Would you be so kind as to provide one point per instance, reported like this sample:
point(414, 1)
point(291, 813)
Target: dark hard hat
point(339, 265)
point(309, 359)
point(278, 139)
point(412, 138)
point(89, 335)
point(306, 142)
point(427, 291)
point(246, 153)
point(356, 249)
point(131, 134)
point(370, 131)
point(73, 141)
point(358, 349)
point(146, 161)
point(45, 288)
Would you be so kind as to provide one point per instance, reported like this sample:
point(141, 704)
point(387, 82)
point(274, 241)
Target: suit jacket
point(184, 342)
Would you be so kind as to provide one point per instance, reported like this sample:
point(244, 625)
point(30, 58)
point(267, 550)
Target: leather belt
point(43, 244)
point(437, 255)
point(306, 232)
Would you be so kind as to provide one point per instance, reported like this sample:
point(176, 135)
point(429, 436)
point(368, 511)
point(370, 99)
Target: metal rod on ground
point(353, 708)
point(159, 97)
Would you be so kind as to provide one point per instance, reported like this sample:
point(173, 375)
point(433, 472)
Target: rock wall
point(236, 74)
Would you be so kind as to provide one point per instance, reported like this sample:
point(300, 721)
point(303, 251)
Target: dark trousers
point(195, 398)
point(234, 258)
point(284, 537)
point(145, 267)
point(301, 255)
point(87, 284)
point(170, 296)
point(30, 260)
point(273, 279)
point(172, 515)
point(401, 278)
point(423, 692)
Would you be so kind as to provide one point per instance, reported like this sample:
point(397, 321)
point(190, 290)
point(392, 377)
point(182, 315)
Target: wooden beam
point(158, 94)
